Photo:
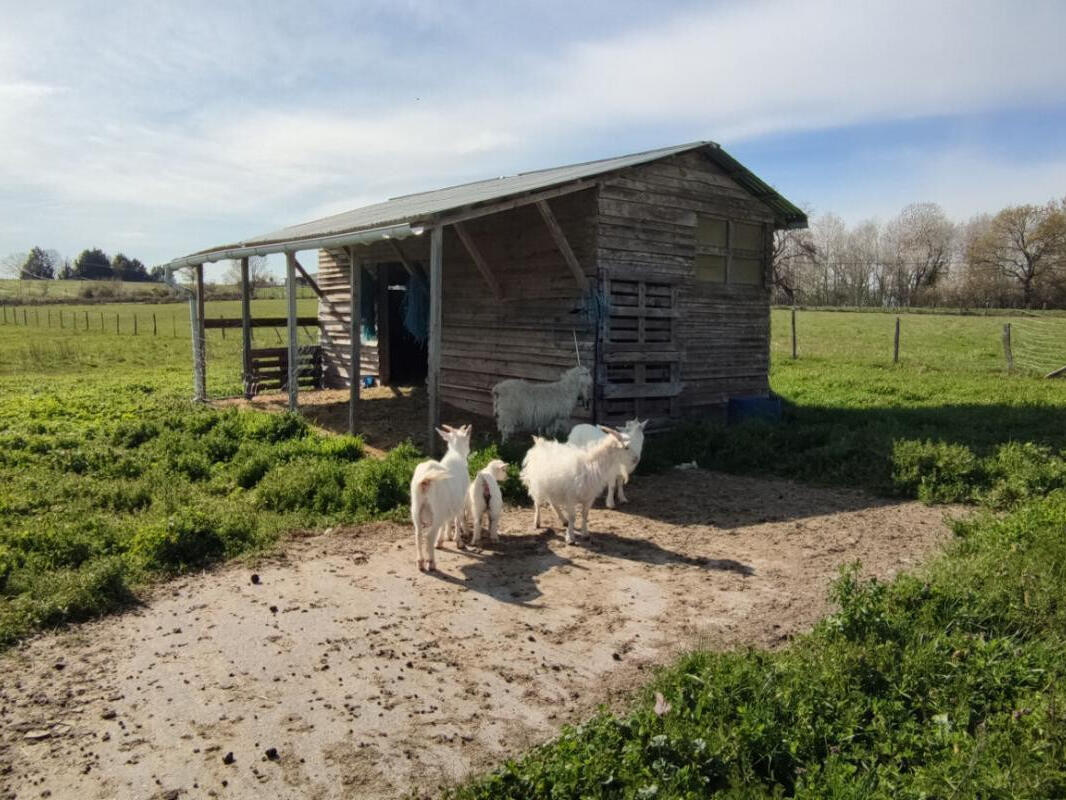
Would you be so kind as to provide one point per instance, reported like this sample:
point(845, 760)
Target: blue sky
point(162, 128)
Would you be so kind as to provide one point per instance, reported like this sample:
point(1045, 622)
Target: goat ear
point(466, 430)
point(448, 428)
point(642, 424)
point(445, 435)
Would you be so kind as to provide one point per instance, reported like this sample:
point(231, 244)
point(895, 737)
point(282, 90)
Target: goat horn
point(576, 351)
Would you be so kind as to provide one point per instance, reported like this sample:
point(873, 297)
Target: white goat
point(484, 495)
point(524, 405)
point(566, 476)
point(438, 491)
point(584, 435)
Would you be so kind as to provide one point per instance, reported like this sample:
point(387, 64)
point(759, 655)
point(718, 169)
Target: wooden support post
point(479, 261)
point(86, 320)
point(1007, 350)
point(436, 264)
point(355, 324)
point(384, 317)
point(49, 317)
point(134, 323)
point(101, 322)
point(118, 329)
point(563, 245)
point(294, 352)
point(155, 325)
point(246, 330)
point(199, 345)
point(895, 344)
point(24, 319)
point(793, 333)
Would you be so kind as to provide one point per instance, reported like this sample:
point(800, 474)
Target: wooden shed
point(656, 264)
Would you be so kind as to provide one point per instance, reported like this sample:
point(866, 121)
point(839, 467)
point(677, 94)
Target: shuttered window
point(729, 252)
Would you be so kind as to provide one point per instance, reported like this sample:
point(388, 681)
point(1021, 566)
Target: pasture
point(114, 487)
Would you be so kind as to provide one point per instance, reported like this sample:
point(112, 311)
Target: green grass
point(13, 290)
point(945, 683)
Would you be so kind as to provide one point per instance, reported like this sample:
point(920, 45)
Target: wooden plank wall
point(648, 221)
point(529, 334)
point(333, 279)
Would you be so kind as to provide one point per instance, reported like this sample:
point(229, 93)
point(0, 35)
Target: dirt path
point(371, 680)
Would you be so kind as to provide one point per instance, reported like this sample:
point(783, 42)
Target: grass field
point(13, 290)
point(948, 683)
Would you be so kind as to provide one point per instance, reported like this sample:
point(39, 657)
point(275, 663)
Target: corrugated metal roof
point(423, 206)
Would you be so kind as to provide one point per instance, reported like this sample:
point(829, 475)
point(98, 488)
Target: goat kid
point(537, 406)
point(565, 476)
point(484, 496)
point(438, 492)
point(584, 435)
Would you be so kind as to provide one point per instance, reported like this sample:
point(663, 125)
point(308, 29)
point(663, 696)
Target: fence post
point(1007, 350)
point(86, 320)
point(793, 333)
point(223, 329)
point(174, 324)
point(101, 322)
point(37, 316)
point(116, 323)
point(61, 326)
point(895, 344)
point(134, 323)
point(155, 328)
point(24, 322)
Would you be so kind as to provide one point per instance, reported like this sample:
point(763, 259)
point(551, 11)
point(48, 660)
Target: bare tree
point(257, 272)
point(861, 260)
point(1023, 244)
point(792, 255)
point(11, 264)
point(919, 243)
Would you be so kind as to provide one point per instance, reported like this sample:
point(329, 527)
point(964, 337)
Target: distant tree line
point(92, 264)
point(1013, 259)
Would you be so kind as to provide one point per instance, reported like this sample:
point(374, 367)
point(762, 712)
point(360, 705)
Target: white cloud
point(230, 118)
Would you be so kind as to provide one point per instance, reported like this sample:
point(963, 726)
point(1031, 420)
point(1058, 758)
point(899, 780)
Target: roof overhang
point(332, 241)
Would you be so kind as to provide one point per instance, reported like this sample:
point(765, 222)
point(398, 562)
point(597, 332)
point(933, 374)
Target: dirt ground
point(388, 415)
point(368, 679)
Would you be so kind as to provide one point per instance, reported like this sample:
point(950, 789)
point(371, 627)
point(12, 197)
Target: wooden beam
point(414, 270)
point(436, 270)
point(563, 245)
point(473, 212)
point(215, 323)
point(383, 325)
point(310, 281)
point(294, 351)
point(479, 260)
point(246, 329)
point(199, 343)
point(354, 334)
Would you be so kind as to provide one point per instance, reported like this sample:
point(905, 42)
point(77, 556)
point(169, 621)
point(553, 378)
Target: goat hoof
point(421, 565)
point(432, 566)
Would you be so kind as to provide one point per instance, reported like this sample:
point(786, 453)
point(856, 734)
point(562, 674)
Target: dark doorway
point(408, 358)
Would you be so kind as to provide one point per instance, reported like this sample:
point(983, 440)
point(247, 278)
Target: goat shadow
point(507, 570)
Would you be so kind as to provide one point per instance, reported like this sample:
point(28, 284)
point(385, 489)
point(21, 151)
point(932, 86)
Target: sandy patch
point(371, 680)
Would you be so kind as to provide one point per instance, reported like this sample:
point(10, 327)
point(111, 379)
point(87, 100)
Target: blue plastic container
point(767, 409)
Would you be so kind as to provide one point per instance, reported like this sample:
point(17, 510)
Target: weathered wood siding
point(528, 334)
point(334, 280)
point(647, 227)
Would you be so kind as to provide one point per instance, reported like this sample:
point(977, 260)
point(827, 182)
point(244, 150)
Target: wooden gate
point(639, 368)
point(270, 369)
